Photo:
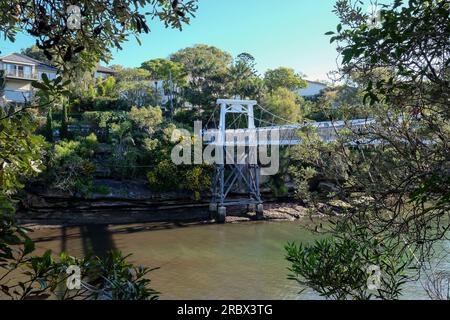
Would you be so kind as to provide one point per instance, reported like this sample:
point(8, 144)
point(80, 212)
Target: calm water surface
point(232, 261)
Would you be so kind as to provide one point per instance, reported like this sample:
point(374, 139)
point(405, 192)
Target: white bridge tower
point(237, 171)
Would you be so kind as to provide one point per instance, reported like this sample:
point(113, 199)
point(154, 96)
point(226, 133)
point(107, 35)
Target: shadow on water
point(66, 233)
point(96, 239)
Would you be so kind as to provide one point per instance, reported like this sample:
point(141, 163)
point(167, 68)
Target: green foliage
point(97, 40)
point(124, 152)
point(186, 116)
point(244, 80)
point(135, 86)
point(64, 132)
point(102, 104)
point(36, 53)
point(283, 77)
point(163, 69)
point(397, 190)
point(198, 180)
point(91, 92)
point(71, 168)
point(338, 267)
point(146, 118)
point(165, 177)
point(111, 278)
point(339, 103)
point(283, 103)
point(207, 67)
point(21, 152)
point(100, 90)
point(104, 119)
point(49, 126)
point(109, 86)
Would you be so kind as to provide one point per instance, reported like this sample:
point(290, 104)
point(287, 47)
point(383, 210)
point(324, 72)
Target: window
point(18, 70)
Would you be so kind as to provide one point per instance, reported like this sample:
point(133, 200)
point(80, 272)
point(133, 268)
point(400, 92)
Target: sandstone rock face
point(328, 187)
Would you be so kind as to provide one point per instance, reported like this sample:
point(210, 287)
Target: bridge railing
point(284, 134)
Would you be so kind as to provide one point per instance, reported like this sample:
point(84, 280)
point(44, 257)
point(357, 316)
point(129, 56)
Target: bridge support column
point(260, 211)
point(238, 180)
point(221, 215)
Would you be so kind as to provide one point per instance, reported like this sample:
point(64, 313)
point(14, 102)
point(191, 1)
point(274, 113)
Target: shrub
point(146, 118)
point(49, 126)
point(198, 180)
point(88, 146)
point(165, 177)
point(101, 104)
point(64, 134)
point(186, 116)
point(102, 119)
point(339, 267)
point(71, 168)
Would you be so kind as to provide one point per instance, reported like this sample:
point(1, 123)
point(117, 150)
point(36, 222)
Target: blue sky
point(277, 33)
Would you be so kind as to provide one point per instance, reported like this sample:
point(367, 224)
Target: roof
point(316, 82)
point(20, 58)
point(105, 69)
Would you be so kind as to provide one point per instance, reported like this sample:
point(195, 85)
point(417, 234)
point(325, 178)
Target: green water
point(233, 261)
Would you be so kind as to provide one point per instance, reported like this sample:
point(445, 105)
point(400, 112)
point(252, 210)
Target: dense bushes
point(100, 104)
point(70, 167)
point(167, 176)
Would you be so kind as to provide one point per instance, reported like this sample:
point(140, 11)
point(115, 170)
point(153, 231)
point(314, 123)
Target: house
point(312, 90)
point(21, 70)
point(104, 72)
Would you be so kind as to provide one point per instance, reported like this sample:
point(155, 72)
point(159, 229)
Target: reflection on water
point(234, 261)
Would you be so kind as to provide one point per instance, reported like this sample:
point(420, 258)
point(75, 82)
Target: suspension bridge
point(245, 130)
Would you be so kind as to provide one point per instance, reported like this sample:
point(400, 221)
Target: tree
point(104, 25)
point(342, 267)
point(110, 86)
point(100, 88)
point(206, 67)
point(36, 53)
point(171, 73)
point(49, 126)
point(398, 188)
point(283, 104)
point(135, 85)
point(283, 77)
point(64, 132)
point(244, 80)
point(146, 118)
point(163, 69)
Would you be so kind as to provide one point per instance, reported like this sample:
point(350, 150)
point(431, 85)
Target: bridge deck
point(282, 135)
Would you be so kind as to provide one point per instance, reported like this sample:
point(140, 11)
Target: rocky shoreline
point(129, 202)
point(199, 214)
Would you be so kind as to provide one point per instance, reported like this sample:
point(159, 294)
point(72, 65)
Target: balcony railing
point(20, 74)
point(18, 96)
